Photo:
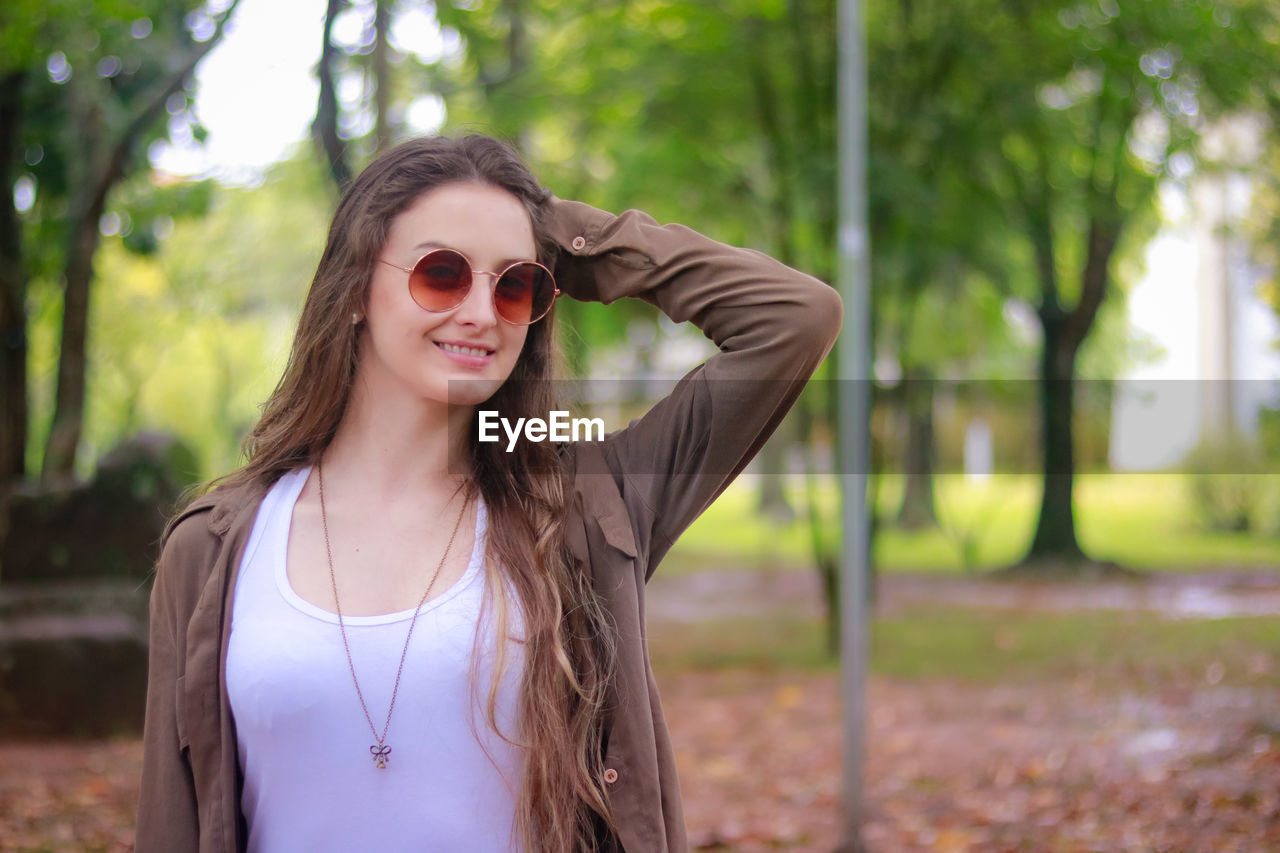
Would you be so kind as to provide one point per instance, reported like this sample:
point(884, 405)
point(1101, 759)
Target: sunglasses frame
point(493, 292)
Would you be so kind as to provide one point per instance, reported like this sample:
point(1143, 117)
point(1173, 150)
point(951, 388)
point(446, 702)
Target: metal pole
point(854, 363)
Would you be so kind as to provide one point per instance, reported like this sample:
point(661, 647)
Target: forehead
point(484, 222)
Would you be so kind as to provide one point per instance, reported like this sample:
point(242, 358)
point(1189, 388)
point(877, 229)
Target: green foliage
point(989, 123)
point(192, 337)
point(147, 212)
point(92, 66)
point(943, 257)
point(660, 106)
point(29, 27)
point(1232, 486)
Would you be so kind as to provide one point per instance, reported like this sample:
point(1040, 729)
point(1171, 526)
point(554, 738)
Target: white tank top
point(310, 782)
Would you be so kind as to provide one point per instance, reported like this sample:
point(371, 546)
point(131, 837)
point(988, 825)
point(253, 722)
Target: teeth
point(464, 350)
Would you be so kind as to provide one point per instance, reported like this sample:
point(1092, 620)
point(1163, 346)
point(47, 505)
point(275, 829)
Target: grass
point(990, 646)
point(1143, 521)
point(986, 646)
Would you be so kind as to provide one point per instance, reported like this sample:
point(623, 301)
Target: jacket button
point(578, 244)
point(611, 775)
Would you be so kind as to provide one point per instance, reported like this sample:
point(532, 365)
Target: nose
point(478, 309)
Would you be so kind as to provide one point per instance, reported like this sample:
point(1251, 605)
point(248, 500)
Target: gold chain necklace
point(380, 750)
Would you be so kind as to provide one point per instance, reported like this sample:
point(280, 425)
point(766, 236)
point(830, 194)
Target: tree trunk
point(824, 557)
point(1055, 536)
point(13, 291)
point(828, 569)
point(68, 415)
point(772, 501)
point(382, 74)
point(917, 510)
point(325, 126)
point(1054, 545)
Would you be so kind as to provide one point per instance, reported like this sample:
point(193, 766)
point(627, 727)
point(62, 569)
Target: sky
point(257, 96)
point(256, 90)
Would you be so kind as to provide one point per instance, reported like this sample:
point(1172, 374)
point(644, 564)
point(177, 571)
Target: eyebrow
point(428, 244)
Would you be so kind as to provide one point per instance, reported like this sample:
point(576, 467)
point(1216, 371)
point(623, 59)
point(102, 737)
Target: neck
point(400, 445)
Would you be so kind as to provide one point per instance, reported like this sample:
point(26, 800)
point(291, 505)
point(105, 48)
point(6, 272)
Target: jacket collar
point(223, 504)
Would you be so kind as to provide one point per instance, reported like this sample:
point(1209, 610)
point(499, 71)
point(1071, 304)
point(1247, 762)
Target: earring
point(355, 318)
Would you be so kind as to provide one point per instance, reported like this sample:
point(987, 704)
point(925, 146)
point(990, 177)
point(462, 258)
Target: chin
point(470, 391)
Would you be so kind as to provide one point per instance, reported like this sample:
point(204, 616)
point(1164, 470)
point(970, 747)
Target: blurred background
point(1076, 421)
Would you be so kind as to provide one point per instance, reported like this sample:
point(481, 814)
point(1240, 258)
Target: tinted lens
point(440, 280)
point(523, 294)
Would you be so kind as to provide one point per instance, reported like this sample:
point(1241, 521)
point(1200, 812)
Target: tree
point(1015, 149)
point(940, 244)
point(1093, 104)
point(325, 126)
point(13, 286)
point(96, 83)
point(370, 60)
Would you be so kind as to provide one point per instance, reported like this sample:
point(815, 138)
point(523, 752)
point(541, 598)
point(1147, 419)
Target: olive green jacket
point(633, 494)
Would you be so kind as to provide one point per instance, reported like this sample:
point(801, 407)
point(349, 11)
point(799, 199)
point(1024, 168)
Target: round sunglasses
point(442, 278)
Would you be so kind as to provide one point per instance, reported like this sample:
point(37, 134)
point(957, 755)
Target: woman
point(374, 550)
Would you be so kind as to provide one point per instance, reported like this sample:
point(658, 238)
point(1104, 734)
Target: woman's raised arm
point(772, 324)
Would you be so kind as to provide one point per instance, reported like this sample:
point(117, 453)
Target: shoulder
point(195, 534)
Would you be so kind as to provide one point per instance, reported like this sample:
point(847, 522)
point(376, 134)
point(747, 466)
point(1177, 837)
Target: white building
point(1199, 301)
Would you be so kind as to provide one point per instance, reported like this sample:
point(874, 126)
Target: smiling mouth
point(461, 350)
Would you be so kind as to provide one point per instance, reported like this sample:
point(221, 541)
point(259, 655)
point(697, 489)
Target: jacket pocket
point(616, 528)
point(180, 712)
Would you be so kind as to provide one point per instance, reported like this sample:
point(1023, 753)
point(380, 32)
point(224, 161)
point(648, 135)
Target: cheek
point(515, 344)
point(380, 304)
point(389, 291)
point(393, 315)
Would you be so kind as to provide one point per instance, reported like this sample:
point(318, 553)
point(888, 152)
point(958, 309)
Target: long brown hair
point(568, 643)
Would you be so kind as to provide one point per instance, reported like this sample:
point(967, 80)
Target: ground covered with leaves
point(988, 730)
point(1049, 767)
